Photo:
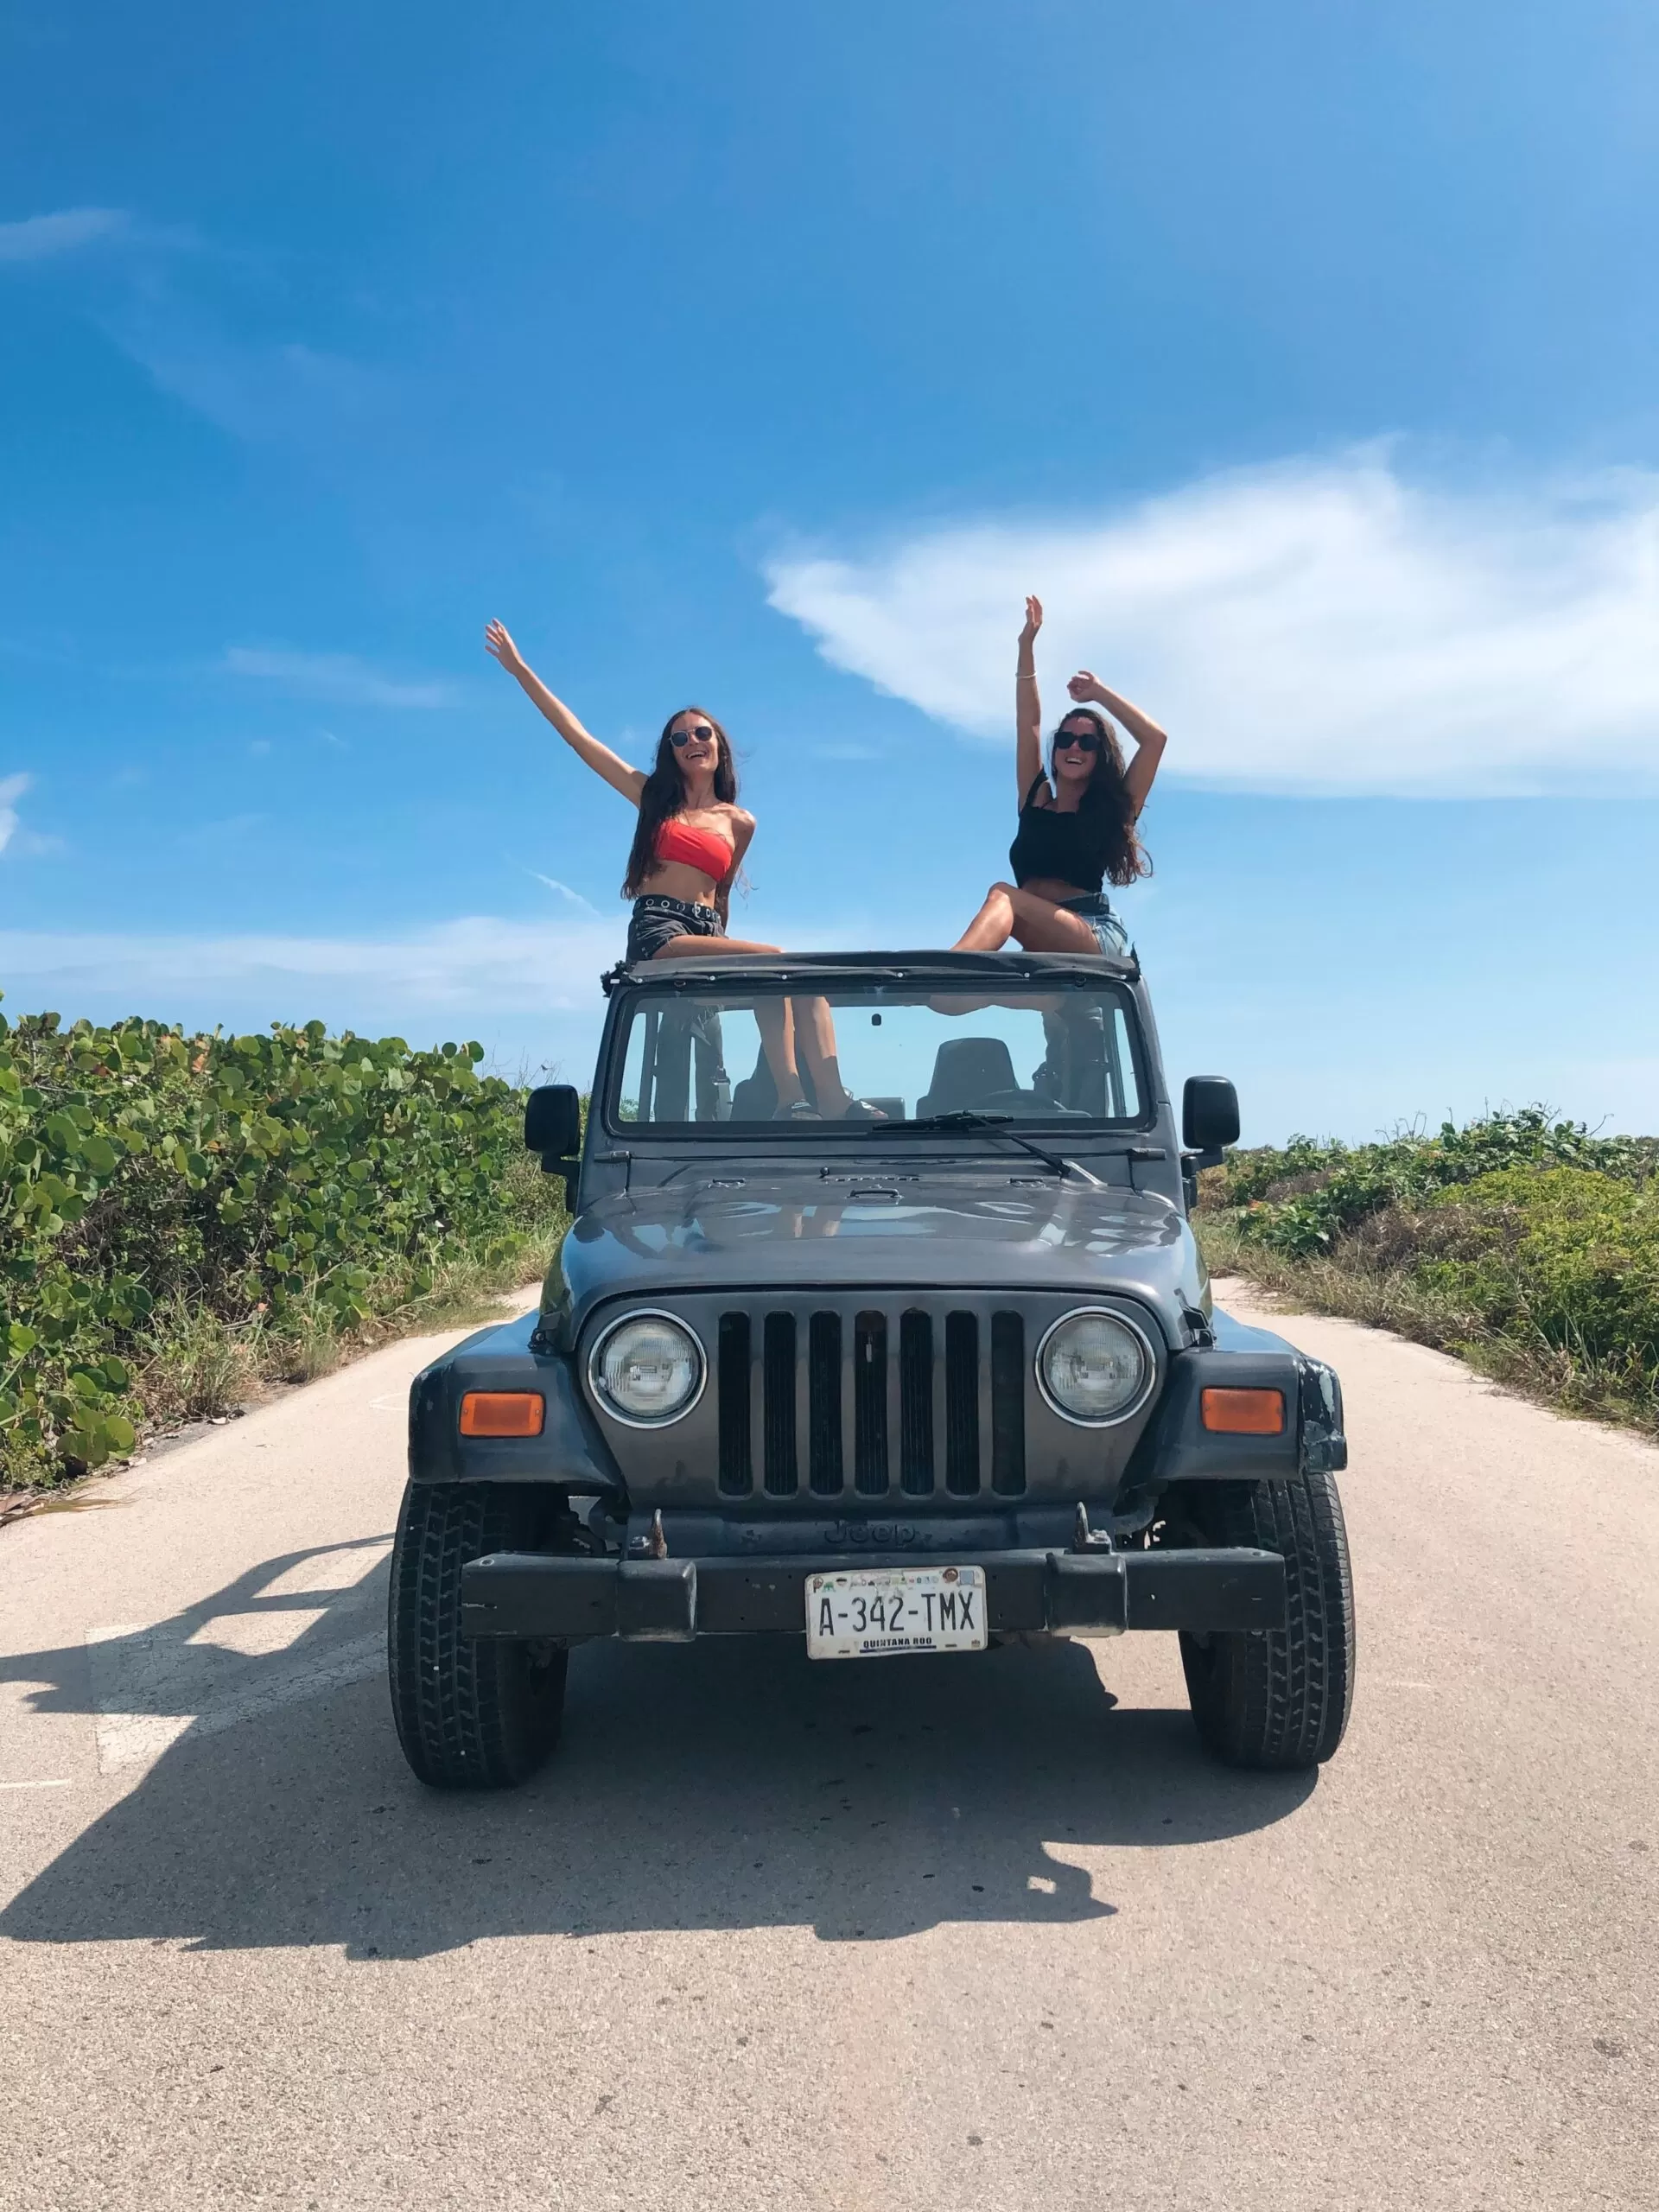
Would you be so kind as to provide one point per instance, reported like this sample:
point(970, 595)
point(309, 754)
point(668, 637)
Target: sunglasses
point(1086, 740)
point(703, 732)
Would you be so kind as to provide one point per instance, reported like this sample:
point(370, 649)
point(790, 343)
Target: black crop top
point(1065, 848)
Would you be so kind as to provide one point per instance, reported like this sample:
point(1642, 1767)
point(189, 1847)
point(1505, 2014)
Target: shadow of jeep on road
point(722, 1785)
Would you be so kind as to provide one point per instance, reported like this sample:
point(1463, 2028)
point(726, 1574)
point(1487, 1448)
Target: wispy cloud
point(340, 678)
point(482, 963)
point(564, 890)
point(263, 390)
point(479, 960)
point(43, 238)
point(260, 392)
point(11, 790)
point(1321, 625)
point(528, 990)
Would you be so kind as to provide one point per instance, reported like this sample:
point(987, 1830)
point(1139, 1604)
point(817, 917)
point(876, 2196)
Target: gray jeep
point(937, 1375)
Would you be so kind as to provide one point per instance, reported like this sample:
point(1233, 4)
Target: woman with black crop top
point(1077, 824)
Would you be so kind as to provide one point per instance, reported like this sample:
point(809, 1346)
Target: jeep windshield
point(1066, 1054)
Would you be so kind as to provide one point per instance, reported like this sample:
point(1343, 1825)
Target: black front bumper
point(675, 1600)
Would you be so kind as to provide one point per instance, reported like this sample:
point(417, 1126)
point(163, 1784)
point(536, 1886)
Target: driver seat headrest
point(967, 1070)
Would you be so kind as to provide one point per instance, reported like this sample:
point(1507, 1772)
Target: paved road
point(982, 1933)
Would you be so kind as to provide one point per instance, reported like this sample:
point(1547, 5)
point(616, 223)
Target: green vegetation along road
point(1527, 1246)
point(182, 1217)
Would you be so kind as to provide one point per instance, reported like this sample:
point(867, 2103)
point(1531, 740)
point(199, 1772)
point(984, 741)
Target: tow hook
point(1085, 1538)
point(653, 1545)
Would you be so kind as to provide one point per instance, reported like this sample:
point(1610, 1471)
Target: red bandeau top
point(701, 849)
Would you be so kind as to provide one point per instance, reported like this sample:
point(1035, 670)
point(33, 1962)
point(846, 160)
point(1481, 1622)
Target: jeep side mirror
point(1209, 1117)
point(553, 1120)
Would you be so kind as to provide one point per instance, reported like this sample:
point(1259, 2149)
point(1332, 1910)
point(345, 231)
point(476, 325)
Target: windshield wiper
point(999, 1125)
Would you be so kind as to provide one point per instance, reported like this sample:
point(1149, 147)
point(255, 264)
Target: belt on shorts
point(657, 920)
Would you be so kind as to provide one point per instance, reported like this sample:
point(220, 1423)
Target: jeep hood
point(929, 1229)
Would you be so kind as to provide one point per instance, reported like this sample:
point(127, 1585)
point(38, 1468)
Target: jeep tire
point(1279, 1699)
point(472, 1713)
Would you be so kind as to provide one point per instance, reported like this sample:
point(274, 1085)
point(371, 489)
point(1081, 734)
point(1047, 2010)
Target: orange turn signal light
point(503, 1412)
point(1244, 1413)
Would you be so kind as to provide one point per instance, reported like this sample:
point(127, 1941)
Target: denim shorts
point(1110, 933)
point(656, 922)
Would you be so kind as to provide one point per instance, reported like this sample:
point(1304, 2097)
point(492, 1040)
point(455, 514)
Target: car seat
point(755, 1098)
point(967, 1070)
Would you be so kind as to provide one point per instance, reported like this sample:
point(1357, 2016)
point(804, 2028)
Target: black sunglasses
point(1086, 740)
point(680, 738)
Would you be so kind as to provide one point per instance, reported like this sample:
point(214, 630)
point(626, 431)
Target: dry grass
point(197, 1365)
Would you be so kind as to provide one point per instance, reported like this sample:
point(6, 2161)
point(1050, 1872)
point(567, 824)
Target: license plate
point(865, 1612)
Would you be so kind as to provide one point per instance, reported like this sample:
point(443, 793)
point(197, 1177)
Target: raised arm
point(1027, 707)
point(599, 757)
point(1150, 740)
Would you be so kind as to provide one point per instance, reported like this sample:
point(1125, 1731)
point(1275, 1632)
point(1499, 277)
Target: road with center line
point(943, 1933)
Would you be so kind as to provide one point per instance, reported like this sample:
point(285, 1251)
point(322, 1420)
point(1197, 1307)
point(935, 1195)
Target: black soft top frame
point(824, 969)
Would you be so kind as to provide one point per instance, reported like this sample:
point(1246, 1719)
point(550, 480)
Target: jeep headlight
point(646, 1369)
point(1094, 1368)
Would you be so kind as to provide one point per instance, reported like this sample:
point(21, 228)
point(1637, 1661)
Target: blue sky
point(1302, 357)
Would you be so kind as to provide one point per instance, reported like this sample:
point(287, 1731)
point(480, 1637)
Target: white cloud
point(337, 677)
point(479, 961)
point(1321, 625)
point(11, 790)
point(529, 993)
point(485, 957)
point(39, 238)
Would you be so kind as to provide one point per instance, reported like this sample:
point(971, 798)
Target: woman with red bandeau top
point(688, 847)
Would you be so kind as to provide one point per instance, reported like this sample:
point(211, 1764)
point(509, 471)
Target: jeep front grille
point(871, 1402)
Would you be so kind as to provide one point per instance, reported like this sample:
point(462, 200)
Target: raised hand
point(1033, 619)
point(499, 644)
point(1084, 686)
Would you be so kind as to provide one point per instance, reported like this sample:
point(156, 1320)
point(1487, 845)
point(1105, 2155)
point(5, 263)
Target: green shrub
point(1524, 1241)
point(1567, 1253)
point(1298, 1197)
point(295, 1184)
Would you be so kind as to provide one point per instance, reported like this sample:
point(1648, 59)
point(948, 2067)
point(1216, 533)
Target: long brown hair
point(664, 795)
point(1106, 795)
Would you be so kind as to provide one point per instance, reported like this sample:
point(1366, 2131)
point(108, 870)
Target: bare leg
point(692, 948)
point(812, 1025)
point(771, 1014)
point(1039, 924)
point(815, 1033)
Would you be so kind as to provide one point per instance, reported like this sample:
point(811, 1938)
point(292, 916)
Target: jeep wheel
point(470, 1714)
point(1278, 1701)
